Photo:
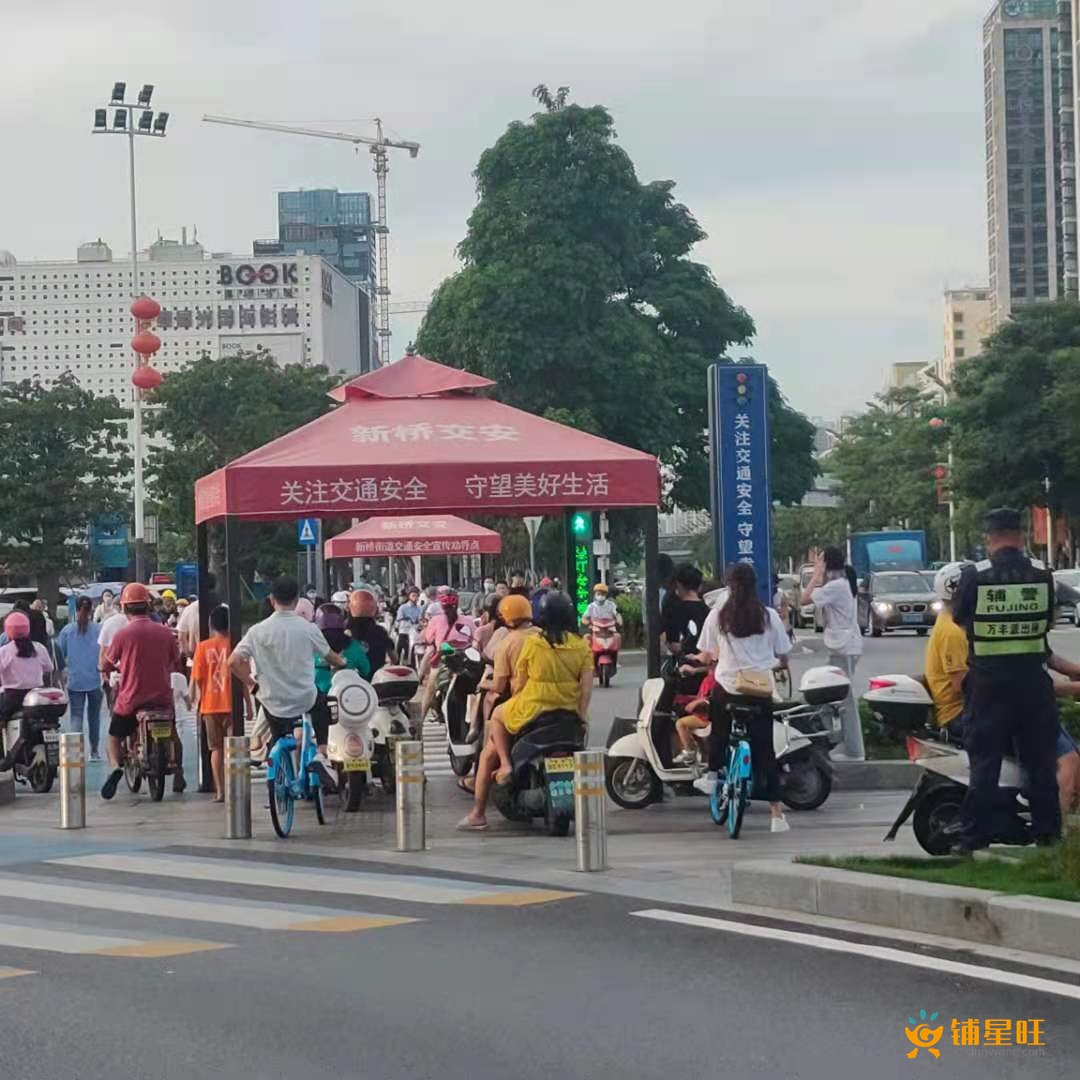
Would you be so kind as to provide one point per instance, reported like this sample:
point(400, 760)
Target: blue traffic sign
point(307, 532)
point(739, 444)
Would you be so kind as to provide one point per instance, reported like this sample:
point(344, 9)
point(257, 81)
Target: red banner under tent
point(418, 437)
point(435, 534)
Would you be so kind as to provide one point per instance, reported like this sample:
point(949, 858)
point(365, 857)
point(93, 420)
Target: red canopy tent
point(417, 437)
point(430, 534)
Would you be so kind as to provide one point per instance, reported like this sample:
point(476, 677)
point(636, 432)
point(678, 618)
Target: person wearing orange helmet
point(364, 626)
point(24, 665)
point(145, 654)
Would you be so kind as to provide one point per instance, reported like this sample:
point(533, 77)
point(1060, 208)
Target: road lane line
point(871, 952)
point(345, 924)
point(156, 949)
point(192, 907)
point(76, 943)
point(520, 899)
point(14, 973)
point(307, 879)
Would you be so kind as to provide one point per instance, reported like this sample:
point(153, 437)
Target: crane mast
point(378, 147)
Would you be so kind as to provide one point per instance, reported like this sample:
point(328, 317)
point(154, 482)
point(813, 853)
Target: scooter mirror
point(473, 655)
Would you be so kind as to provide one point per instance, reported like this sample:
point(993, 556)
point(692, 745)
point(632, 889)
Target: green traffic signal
point(581, 524)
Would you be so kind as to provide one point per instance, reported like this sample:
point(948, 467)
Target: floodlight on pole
point(125, 123)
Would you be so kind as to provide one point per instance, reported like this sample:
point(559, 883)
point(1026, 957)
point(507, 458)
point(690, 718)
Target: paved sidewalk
point(669, 853)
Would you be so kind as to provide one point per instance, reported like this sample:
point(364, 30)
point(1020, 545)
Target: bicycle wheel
point(318, 798)
point(720, 802)
point(279, 792)
point(739, 798)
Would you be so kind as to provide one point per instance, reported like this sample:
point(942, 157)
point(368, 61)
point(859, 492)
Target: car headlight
point(882, 607)
point(936, 606)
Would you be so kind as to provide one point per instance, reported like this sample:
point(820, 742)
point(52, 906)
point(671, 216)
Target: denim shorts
point(1065, 744)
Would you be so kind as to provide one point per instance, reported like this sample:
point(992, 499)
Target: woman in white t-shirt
point(742, 634)
point(832, 591)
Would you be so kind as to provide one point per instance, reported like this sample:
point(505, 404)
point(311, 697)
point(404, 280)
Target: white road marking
point(46, 939)
point(436, 744)
point(871, 952)
point(417, 889)
point(188, 906)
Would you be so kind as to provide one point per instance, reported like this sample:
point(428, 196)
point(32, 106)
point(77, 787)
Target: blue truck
point(900, 549)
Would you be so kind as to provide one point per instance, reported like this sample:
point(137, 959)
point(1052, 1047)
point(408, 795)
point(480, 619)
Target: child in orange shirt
point(212, 692)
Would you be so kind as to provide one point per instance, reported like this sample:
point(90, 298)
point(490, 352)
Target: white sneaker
point(687, 757)
point(843, 755)
point(779, 824)
point(706, 784)
point(322, 768)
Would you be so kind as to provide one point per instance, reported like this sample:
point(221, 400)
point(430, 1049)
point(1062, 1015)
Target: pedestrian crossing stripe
point(90, 943)
point(307, 879)
point(13, 973)
point(193, 907)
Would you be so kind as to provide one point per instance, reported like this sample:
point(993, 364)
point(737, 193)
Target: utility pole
point(378, 147)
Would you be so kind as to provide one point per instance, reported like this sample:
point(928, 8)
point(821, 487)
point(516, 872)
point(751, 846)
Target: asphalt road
point(899, 653)
point(284, 966)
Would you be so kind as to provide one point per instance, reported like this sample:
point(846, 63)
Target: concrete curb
point(1029, 923)
point(876, 775)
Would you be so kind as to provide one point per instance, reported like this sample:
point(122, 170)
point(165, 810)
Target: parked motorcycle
point(640, 752)
point(462, 669)
point(542, 781)
point(605, 642)
point(903, 705)
point(38, 757)
point(350, 743)
point(395, 686)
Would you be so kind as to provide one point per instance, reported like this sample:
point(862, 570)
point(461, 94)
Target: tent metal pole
point(234, 598)
point(651, 605)
point(202, 554)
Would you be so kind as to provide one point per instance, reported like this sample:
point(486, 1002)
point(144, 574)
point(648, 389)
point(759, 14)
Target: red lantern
point(144, 309)
point(146, 343)
point(147, 378)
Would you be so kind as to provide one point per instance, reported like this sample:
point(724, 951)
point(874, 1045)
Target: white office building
point(74, 316)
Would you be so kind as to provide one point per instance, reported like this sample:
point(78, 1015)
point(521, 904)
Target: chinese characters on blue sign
point(739, 445)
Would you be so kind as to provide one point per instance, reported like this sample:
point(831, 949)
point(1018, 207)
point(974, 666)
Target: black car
point(897, 600)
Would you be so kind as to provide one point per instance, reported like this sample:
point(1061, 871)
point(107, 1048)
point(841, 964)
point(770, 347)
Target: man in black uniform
point(1006, 605)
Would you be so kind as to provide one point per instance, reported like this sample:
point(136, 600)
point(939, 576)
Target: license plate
point(915, 617)
point(357, 764)
point(559, 764)
point(160, 730)
point(51, 736)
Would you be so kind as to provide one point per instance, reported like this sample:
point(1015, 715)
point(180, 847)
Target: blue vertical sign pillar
point(739, 469)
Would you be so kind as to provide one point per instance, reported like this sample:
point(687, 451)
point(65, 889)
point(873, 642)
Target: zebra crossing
point(436, 745)
point(156, 904)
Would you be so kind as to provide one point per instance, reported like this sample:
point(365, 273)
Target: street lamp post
point(124, 123)
point(933, 376)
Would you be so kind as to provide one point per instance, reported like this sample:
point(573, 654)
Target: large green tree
point(1014, 412)
point(212, 412)
point(578, 297)
point(885, 463)
point(63, 465)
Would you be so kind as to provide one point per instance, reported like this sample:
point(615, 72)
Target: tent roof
point(450, 451)
point(411, 377)
point(427, 534)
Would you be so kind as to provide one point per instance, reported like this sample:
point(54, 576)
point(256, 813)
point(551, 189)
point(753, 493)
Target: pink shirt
point(24, 673)
point(439, 630)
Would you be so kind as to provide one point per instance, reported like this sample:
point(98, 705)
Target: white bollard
point(590, 810)
point(72, 768)
point(409, 794)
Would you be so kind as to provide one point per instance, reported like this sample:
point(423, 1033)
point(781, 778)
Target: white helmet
point(340, 597)
point(947, 580)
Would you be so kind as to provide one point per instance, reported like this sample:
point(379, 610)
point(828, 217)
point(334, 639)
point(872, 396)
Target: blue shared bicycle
point(289, 778)
point(727, 804)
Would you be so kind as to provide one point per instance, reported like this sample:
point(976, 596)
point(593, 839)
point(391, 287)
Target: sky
point(831, 149)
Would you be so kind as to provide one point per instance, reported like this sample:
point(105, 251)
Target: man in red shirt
point(146, 654)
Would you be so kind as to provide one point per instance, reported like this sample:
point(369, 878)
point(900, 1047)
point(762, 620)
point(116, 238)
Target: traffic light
point(581, 525)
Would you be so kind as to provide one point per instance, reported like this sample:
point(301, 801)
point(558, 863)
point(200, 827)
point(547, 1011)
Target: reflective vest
point(1014, 611)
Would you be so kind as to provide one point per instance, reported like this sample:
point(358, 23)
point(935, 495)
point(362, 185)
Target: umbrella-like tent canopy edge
point(428, 534)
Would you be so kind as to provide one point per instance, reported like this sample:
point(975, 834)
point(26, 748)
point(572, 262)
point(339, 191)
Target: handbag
point(753, 683)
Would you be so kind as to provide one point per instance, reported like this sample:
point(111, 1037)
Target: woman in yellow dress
point(555, 672)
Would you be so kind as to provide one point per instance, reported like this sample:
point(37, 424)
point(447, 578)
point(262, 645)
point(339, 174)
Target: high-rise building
point(968, 323)
point(1030, 153)
point(335, 225)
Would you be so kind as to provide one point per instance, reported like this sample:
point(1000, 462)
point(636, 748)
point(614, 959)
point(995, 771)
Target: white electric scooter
point(640, 752)
point(350, 744)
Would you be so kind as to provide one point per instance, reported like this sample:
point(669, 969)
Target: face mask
point(312, 594)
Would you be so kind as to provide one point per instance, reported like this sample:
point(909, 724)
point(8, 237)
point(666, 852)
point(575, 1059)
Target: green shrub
point(633, 628)
point(880, 743)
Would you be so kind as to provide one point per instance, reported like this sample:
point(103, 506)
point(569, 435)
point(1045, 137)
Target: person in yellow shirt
point(555, 673)
point(947, 655)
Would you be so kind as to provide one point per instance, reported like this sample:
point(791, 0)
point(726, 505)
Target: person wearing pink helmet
point(449, 627)
point(24, 665)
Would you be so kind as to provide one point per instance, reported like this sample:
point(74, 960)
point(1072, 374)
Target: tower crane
point(378, 149)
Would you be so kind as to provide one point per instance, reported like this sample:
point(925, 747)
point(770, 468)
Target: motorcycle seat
point(553, 730)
